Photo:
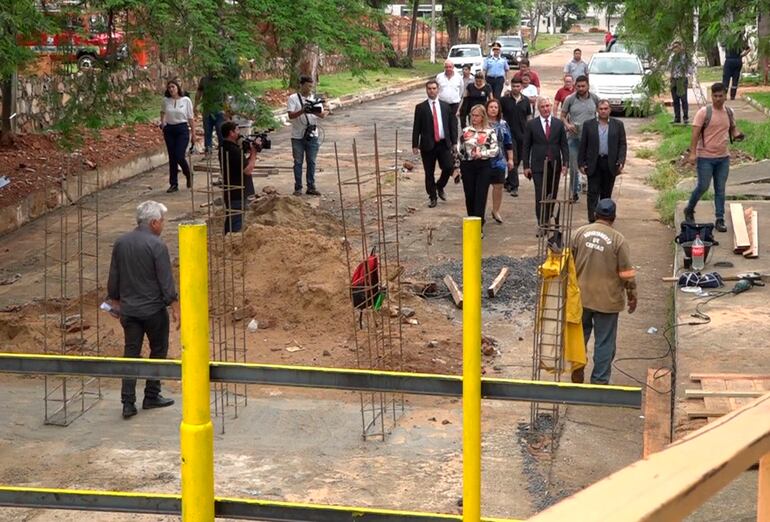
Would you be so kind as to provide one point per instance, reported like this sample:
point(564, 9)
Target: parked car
point(513, 49)
point(617, 77)
point(467, 54)
point(83, 40)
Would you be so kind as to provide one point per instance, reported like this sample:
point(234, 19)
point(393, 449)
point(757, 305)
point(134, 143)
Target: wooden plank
point(671, 484)
point(740, 234)
point(763, 489)
point(498, 282)
point(742, 385)
point(702, 414)
point(699, 394)
point(753, 230)
point(657, 411)
point(727, 376)
point(457, 295)
point(718, 404)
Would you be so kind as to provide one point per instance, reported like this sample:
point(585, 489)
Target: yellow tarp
point(548, 317)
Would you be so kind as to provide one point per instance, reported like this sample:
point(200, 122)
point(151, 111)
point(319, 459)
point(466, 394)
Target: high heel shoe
point(497, 217)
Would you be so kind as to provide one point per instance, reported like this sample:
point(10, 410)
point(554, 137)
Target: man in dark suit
point(516, 111)
point(434, 134)
point(602, 155)
point(546, 156)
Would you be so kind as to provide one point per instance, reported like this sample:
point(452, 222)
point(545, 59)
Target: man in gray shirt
point(578, 108)
point(141, 287)
point(576, 67)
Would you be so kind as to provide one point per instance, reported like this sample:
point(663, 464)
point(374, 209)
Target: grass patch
point(676, 138)
point(668, 199)
point(709, 75)
point(757, 142)
point(763, 98)
point(545, 41)
point(644, 153)
point(343, 83)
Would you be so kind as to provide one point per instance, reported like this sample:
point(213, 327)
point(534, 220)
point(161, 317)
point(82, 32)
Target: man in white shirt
point(303, 114)
point(450, 87)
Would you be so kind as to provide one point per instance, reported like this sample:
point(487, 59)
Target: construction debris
point(454, 290)
point(752, 229)
point(494, 288)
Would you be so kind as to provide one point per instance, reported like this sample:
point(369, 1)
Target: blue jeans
point(177, 139)
point(307, 150)
point(574, 173)
point(234, 216)
point(605, 328)
point(708, 168)
point(212, 121)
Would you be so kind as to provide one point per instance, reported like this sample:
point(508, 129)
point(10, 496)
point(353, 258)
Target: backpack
point(365, 283)
point(688, 231)
point(707, 120)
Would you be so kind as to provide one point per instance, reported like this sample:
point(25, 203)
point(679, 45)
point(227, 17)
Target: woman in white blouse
point(176, 120)
point(478, 146)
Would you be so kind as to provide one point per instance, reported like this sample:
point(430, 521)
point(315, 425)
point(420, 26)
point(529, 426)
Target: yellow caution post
point(472, 369)
point(196, 432)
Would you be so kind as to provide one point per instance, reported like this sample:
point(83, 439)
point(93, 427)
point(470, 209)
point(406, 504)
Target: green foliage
point(545, 41)
point(757, 142)
point(644, 153)
point(763, 98)
point(18, 19)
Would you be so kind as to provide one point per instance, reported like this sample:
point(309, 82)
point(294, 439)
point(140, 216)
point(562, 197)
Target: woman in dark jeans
point(476, 93)
point(478, 145)
point(176, 120)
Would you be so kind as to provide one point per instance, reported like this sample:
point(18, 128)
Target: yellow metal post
point(472, 369)
point(196, 432)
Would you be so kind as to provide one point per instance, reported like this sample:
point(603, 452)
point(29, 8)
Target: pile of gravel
point(517, 294)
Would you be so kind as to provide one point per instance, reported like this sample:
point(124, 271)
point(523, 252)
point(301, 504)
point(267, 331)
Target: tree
point(19, 19)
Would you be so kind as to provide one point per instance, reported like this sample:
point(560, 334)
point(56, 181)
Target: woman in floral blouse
point(478, 146)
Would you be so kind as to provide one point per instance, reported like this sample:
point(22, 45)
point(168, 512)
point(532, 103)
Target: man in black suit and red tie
point(434, 134)
point(546, 157)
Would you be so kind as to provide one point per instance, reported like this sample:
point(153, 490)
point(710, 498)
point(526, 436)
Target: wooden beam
point(498, 282)
point(457, 295)
point(728, 376)
point(740, 234)
point(701, 414)
point(657, 411)
point(763, 489)
point(671, 484)
point(753, 231)
point(697, 394)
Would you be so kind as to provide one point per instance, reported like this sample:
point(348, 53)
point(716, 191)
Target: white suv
point(467, 54)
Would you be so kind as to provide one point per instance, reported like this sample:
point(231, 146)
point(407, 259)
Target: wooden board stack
point(745, 230)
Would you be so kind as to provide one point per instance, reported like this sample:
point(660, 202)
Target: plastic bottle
point(698, 254)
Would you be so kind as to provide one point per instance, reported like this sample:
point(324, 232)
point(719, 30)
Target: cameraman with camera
point(304, 110)
point(237, 183)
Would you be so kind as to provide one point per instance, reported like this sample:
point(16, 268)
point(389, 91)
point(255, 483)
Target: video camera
point(253, 138)
point(314, 106)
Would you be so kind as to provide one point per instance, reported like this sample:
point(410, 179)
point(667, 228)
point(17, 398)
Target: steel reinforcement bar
point(234, 508)
point(332, 378)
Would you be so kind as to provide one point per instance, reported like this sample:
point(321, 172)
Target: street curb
point(357, 99)
point(43, 201)
point(754, 103)
point(40, 202)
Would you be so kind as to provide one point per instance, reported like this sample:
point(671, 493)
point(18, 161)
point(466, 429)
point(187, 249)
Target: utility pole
point(432, 31)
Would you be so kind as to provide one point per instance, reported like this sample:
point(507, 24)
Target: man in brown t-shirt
point(606, 278)
point(708, 151)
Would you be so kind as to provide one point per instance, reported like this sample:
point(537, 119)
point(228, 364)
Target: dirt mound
point(299, 276)
point(292, 212)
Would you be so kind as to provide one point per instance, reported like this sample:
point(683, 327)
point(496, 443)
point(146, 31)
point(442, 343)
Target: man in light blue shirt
point(495, 68)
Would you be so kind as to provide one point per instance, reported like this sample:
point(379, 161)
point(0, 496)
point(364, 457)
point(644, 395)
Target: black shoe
point(156, 402)
point(172, 188)
point(720, 225)
point(514, 193)
point(189, 181)
point(689, 215)
point(686, 121)
point(129, 410)
point(298, 192)
point(442, 194)
point(312, 192)
point(675, 122)
point(432, 203)
point(575, 197)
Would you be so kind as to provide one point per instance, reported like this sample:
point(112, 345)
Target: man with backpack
point(713, 126)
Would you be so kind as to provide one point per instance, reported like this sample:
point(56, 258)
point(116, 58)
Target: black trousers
point(497, 83)
point(546, 187)
point(600, 185)
point(177, 138)
point(732, 71)
point(681, 107)
point(134, 330)
point(512, 180)
point(443, 155)
point(475, 176)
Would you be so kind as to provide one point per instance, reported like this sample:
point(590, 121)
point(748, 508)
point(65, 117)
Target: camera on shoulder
point(313, 106)
point(260, 139)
